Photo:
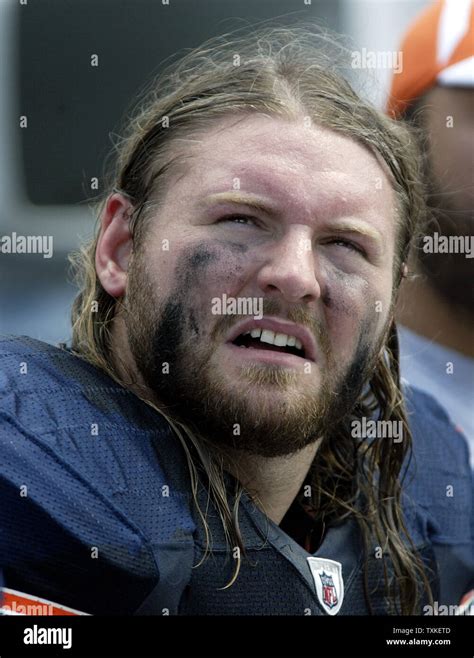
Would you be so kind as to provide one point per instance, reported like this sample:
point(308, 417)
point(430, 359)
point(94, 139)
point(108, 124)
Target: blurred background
point(74, 108)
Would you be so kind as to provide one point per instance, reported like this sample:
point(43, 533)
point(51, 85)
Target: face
point(451, 175)
point(280, 230)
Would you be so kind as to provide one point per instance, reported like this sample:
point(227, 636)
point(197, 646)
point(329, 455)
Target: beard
point(266, 410)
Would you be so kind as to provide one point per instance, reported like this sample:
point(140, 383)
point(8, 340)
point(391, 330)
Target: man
point(435, 89)
point(227, 434)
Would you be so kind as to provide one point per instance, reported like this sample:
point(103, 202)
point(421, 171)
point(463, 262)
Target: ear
point(114, 245)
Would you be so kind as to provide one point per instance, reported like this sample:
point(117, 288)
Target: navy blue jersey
point(96, 511)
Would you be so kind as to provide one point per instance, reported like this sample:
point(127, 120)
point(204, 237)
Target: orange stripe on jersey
point(13, 602)
point(466, 604)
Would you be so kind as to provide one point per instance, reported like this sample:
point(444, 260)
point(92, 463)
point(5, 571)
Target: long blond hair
point(288, 72)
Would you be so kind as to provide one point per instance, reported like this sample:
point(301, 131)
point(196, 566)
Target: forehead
point(309, 169)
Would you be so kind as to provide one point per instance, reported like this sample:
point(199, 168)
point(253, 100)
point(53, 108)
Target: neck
point(272, 482)
point(423, 311)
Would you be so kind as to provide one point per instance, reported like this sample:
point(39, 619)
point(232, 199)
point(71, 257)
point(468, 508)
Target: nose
point(290, 268)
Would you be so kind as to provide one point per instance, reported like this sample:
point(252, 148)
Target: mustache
point(298, 315)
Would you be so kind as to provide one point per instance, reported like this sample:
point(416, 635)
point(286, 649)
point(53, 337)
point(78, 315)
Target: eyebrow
point(350, 226)
point(342, 226)
point(241, 198)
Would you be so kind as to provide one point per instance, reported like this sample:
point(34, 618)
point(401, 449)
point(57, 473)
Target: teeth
point(268, 336)
point(272, 338)
point(280, 339)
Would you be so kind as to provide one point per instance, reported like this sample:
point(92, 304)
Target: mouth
point(267, 340)
point(272, 336)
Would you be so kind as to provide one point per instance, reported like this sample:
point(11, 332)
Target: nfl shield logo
point(327, 576)
point(329, 590)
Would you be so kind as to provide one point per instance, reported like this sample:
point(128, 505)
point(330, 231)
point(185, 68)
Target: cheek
point(204, 268)
point(213, 269)
point(203, 271)
point(352, 303)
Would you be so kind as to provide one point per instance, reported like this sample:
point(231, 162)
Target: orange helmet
point(437, 49)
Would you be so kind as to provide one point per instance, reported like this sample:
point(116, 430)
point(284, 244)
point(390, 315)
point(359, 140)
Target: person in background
point(435, 91)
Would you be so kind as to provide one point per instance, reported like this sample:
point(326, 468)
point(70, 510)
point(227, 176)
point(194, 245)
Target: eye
point(238, 219)
point(347, 244)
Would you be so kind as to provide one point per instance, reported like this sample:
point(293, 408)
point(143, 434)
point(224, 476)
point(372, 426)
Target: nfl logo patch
point(329, 590)
point(327, 575)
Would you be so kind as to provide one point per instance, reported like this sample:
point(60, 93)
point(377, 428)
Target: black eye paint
point(340, 290)
point(358, 374)
point(191, 263)
point(360, 367)
point(236, 247)
point(198, 257)
point(167, 335)
point(193, 323)
point(191, 268)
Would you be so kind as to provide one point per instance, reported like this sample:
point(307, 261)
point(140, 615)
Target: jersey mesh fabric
point(103, 470)
point(89, 474)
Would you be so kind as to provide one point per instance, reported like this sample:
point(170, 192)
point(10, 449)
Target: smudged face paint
point(311, 234)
